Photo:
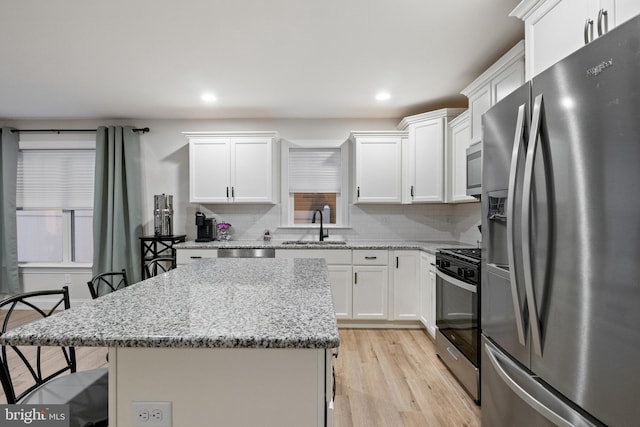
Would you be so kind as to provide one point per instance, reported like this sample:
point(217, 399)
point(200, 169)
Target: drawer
point(370, 257)
point(187, 256)
point(332, 256)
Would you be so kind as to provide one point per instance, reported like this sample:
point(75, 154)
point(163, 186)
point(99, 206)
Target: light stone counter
point(213, 303)
point(429, 247)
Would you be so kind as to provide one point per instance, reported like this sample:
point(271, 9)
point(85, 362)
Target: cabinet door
point(460, 135)
point(378, 170)
point(341, 290)
point(555, 31)
point(187, 256)
point(622, 10)
point(406, 285)
point(479, 103)
point(251, 170)
point(370, 286)
point(209, 170)
point(426, 157)
point(428, 293)
point(510, 79)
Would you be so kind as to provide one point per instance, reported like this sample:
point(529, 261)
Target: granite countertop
point(212, 303)
point(429, 247)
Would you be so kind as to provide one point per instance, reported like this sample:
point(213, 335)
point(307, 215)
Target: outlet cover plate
point(151, 414)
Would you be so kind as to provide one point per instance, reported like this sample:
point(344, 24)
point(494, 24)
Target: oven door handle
point(456, 282)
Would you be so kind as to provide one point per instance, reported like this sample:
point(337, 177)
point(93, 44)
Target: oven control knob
point(462, 272)
point(469, 273)
point(444, 263)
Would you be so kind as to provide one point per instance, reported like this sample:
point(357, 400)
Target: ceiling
point(261, 58)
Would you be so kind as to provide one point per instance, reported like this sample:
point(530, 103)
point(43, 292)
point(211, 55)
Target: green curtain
point(9, 281)
point(117, 208)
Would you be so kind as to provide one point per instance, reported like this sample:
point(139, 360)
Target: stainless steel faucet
point(313, 221)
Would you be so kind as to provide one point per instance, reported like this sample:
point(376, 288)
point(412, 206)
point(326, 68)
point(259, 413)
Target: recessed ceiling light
point(208, 97)
point(383, 96)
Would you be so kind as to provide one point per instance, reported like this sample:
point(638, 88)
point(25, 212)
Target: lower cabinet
point(370, 284)
point(406, 285)
point(187, 256)
point(340, 276)
point(340, 272)
point(428, 292)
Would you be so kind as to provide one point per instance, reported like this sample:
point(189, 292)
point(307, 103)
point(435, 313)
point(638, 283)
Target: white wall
point(166, 168)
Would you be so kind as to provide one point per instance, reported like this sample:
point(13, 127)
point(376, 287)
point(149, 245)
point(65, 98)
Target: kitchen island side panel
point(223, 387)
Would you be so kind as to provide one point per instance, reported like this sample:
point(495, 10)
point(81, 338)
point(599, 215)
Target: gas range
point(461, 263)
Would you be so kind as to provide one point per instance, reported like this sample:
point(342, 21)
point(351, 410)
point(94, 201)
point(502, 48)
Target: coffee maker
point(206, 228)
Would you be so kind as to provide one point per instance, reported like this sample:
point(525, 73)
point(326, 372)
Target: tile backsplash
point(425, 222)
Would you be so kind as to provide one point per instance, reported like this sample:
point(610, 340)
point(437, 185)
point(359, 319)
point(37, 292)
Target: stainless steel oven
point(457, 314)
point(474, 169)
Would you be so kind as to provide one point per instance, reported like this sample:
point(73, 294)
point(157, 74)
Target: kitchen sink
point(314, 242)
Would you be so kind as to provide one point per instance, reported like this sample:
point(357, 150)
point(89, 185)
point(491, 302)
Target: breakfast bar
point(225, 341)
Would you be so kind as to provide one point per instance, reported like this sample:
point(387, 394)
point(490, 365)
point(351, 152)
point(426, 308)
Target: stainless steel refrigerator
point(560, 296)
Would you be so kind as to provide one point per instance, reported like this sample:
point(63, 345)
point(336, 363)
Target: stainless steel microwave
point(474, 169)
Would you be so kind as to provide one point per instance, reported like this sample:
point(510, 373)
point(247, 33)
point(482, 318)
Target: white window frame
point(342, 198)
point(68, 142)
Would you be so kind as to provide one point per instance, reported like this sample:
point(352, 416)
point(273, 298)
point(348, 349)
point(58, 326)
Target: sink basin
point(314, 242)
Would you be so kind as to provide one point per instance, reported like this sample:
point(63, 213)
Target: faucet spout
point(313, 221)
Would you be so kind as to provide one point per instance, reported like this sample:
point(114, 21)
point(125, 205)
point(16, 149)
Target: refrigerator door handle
point(532, 145)
point(518, 142)
point(533, 393)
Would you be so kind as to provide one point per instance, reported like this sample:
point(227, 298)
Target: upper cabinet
point(459, 141)
point(231, 167)
point(557, 28)
point(424, 159)
point(499, 80)
point(377, 166)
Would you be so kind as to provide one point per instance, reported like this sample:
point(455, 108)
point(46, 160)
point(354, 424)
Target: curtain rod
point(143, 130)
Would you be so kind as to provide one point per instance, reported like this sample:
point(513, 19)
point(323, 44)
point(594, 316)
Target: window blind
point(60, 179)
point(314, 170)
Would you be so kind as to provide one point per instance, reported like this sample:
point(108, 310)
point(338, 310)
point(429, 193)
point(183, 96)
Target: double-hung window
point(54, 198)
point(314, 178)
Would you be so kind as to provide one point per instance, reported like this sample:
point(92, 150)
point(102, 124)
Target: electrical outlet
point(151, 414)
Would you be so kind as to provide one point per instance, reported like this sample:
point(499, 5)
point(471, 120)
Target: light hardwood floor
point(392, 377)
point(384, 377)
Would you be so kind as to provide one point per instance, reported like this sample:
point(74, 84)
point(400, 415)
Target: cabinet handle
point(233, 192)
point(355, 281)
point(412, 191)
point(371, 257)
point(358, 192)
point(588, 31)
point(397, 262)
point(227, 192)
point(603, 14)
point(195, 257)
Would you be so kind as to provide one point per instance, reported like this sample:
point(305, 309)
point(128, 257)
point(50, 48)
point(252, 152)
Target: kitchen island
point(238, 342)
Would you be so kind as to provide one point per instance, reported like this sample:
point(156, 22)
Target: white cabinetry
point(428, 292)
point(340, 274)
point(499, 80)
point(370, 284)
point(556, 28)
point(424, 161)
point(459, 141)
point(232, 167)
point(377, 166)
point(406, 285)
point(187, 256)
